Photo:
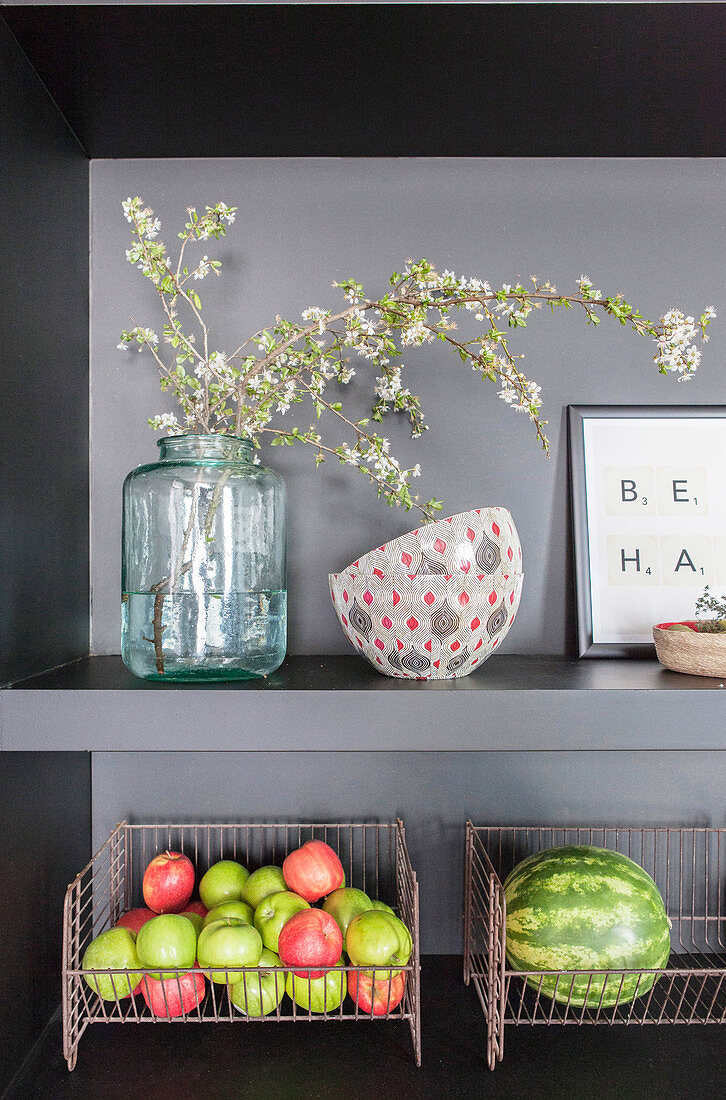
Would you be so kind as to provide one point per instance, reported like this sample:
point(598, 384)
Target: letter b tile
point(629, 490)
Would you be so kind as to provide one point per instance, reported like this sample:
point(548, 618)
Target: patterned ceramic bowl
point(425, 626)
point(483, 540)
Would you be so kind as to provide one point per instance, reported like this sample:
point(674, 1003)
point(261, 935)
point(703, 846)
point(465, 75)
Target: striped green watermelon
point(578, 907)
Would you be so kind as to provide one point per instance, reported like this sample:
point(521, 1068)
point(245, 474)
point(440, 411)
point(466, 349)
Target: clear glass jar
point(203, 571)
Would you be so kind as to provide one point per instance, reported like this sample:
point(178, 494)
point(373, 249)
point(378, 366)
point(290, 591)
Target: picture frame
point(648, 506)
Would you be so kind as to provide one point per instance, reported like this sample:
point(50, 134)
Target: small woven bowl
point(687, 651)
point(425, 627)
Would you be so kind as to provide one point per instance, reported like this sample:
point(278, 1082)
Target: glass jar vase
point(203, 568)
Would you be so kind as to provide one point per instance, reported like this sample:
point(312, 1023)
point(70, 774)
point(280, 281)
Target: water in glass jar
point(203, 636)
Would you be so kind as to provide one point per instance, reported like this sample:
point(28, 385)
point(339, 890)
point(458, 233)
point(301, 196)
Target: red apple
point(313, 870)
point(135, 919)
point(379, 997)
point(163, 998)
point(196, 907)
point(310, 938)
point(168, 882)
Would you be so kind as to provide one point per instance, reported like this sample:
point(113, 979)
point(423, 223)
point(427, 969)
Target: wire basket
point(375, 859)
point(689, 868)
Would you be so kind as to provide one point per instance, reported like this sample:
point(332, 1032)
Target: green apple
point(322, 994)
point(238, 909)
point(376, 939)
point(196, 920)
point(169, 940)
point(114, 949)
point(229, 943)
point(223, 881)
point(260, 994)
point(681, 626)
point(261, 883)
point(375, 904)
point(273, 911)
point(344, 904)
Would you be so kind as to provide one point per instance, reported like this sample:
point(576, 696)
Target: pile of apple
point(264, 920)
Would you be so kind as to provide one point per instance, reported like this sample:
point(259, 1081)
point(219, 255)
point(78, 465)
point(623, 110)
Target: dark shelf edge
point(55, 670)
point(504, 672)
point(339, 703)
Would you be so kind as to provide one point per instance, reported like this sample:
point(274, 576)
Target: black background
point(385, 80)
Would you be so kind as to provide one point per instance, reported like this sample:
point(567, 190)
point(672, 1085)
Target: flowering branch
point(244, 392)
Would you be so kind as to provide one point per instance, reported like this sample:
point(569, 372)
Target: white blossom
point(388, 387)
point(202, 268)
point(225, 213)
point(218, 363)
point(285, 399)
point(166, 421)
point(351, 457)
point(416, 333)
point(675, 350)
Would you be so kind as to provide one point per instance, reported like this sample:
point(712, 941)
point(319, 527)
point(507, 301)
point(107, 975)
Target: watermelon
point(578, 907)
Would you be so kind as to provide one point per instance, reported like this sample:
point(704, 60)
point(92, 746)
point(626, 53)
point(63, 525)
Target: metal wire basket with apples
point(220, 958)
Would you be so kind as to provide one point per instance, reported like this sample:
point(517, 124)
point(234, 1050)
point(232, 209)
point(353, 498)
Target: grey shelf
point(338, 703)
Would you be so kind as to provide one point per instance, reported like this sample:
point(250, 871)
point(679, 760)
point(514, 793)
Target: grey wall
point(44, 370)
point(434, 793)
point(650, 228)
